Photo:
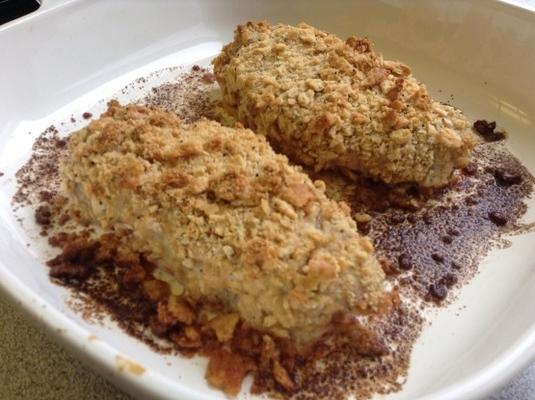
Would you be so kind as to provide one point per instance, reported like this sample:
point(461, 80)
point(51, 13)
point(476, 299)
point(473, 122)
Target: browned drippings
point(429, 242)
point(435, 239)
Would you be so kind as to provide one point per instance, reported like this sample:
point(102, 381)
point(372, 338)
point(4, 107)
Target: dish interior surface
point(60, 64)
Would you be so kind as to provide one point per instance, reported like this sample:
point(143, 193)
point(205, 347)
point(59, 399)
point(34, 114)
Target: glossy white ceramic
point(71, 54)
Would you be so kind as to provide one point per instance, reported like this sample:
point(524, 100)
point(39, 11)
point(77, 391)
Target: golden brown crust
point(232, 221)
point(328, 103)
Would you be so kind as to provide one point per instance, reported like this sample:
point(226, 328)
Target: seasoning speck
point(397, 219)
point(470, 169)
point(497, 218)
point(363, 227)
point(449, 279)
point(447, 239)
point(438, 291)
point(453, 232)
point(437, 257)
point(43, 215)
point(507, 178)
point(405, 262)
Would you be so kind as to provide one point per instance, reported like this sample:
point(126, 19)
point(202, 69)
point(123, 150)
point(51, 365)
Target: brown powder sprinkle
point(433, 234)
point(41, 170)
point(43, 215)
point(430, 241)
point(189, 96)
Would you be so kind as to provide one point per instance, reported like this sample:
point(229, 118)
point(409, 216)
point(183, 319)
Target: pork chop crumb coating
point(328, 103)
point(232, 221)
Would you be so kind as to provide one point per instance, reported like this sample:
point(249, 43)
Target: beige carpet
point(32, 367)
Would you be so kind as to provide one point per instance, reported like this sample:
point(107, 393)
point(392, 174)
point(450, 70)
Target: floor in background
point(33, 367)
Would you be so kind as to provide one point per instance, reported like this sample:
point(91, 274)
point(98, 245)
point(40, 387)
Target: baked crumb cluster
point(231, 221)
point(328, 103)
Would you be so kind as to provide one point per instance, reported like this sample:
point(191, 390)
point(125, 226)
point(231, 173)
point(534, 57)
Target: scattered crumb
point(126, 365)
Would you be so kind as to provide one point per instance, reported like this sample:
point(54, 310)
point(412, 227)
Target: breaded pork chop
point(327, 103)
point(232, 221)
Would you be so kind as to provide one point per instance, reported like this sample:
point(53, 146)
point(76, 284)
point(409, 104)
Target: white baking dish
point(69, 55)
